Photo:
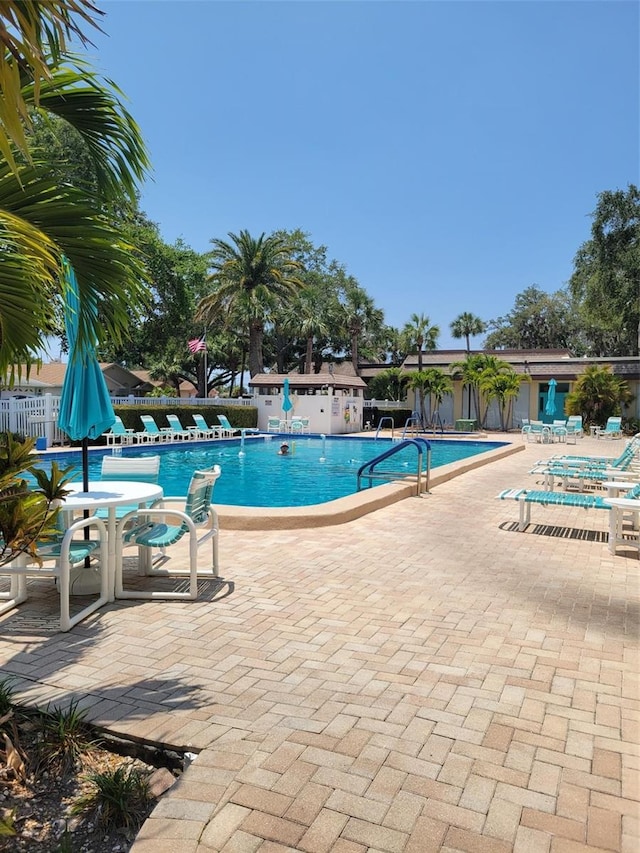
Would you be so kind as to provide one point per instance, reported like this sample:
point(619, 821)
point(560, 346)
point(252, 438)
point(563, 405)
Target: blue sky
point(447, 153)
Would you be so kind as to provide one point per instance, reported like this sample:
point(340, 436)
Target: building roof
point(307, 380)
point(539, 364)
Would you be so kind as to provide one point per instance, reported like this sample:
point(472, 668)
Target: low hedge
point(374, 415)
point(239, 416)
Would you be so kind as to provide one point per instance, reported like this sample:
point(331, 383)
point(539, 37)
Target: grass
point(119, 798)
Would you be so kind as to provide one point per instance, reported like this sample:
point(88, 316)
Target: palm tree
point(361, 318)
point(42, 220)
point(474, 372)
point(420, 334)
point(307, 317)
point(503, 387)
point(467, 325)
point(597, 395)
point(250, 276)
point(439, 385)
point(34, 38)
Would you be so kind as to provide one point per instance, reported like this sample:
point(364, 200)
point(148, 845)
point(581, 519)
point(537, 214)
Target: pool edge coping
point(354, 506)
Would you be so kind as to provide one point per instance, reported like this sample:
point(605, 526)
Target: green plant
point(53, 484)
point(6, 696)
point(6, 823)
point(66, 841)
point(120, 797)
point(63, 737)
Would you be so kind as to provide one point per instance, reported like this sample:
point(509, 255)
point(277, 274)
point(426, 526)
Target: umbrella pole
point(85, 488)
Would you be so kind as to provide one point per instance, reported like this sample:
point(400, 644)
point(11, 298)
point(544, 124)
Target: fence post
point(48, 419)
point(13, 415)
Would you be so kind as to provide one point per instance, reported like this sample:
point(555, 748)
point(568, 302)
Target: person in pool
point(284, 449)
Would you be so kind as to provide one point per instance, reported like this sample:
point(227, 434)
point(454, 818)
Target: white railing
point(37, 417)
point(385, 404)
point(34, 416)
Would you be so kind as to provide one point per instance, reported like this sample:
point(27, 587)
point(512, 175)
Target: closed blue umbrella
point(85, 406)
point(287, 405)
point(550, 405)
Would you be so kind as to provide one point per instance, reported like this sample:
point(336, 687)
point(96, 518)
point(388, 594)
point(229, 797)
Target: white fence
point(37, 417)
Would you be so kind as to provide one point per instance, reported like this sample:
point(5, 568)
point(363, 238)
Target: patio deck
point(422, 678)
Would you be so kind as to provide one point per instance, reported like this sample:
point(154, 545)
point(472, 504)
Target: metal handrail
point(413, 421)
point(418, 443)
point(381, 421)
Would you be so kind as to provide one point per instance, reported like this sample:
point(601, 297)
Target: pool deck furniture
point(620, 509)
point(226, 428)
point(110, 495)
point(180, 433)
point(58, 560)
point(498, 655)
point(204, 430)
point(151, 431)
point(161, 526)
point(119, 434)
point(612, 429)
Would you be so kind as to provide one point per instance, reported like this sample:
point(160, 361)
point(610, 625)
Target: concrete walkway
point(423, 678)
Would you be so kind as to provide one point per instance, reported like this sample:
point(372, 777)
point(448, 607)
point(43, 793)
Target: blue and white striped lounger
point(527, 497)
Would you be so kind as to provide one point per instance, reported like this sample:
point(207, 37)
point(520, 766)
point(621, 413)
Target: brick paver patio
point(423, 678)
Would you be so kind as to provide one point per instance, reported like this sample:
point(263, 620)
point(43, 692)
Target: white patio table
point(109, 494)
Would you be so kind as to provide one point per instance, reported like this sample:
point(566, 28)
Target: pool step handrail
point(421, 445)
point(413, 421)
point(381, 421)
point(436, 424)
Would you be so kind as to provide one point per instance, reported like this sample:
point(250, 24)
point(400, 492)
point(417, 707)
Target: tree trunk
point(256, 364)
point(309, 357)
point(354, 351)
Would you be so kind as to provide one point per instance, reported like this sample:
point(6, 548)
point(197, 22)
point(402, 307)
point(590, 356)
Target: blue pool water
point(254, 474)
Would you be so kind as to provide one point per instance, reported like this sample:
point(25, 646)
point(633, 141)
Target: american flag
point(197, 345)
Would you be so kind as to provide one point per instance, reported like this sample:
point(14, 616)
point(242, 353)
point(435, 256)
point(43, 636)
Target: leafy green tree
point(362, 321)
point(597, 395)
point(502, 386)
point(538, 320)
point(606, 277)
point(34, 39)
point(467, 325)
point(420, 335)
point(250, 277)
point(389, 384)
point(476, 372)
point(42, 220)
point(438, 386)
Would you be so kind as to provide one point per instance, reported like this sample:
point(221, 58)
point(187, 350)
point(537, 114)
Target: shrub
point(119, 798)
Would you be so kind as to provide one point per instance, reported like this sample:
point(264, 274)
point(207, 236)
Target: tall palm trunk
point(256, 333)
point(309, 356)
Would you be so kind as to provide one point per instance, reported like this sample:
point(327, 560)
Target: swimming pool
point(254, 474)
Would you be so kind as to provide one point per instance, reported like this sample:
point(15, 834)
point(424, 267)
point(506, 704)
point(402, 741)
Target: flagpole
point(206, 384)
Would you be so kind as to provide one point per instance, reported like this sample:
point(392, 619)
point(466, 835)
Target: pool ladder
point(367, 471)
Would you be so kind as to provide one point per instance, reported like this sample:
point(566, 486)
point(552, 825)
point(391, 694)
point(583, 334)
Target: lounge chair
point(179, 432)
point(119, 434)
point(162, 526)
point(152, 432)
point(621, 506)
point(625, 467)
point(64, 553)
point(204, 430)
point(227, 429)
point(612, 429)
point(631, 448)
point(574, 424)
